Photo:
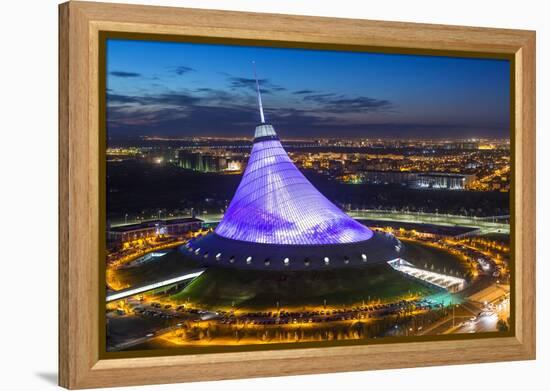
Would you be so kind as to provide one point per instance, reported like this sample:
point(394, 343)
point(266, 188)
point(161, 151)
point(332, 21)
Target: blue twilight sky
point(181, 89)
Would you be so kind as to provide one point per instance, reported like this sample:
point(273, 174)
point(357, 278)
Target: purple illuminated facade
point(276, 204)
point(278, 220)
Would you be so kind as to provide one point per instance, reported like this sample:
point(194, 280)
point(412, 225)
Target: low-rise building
point(147, 229)
point(442, 181)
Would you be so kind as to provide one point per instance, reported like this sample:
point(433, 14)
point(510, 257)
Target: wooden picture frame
point(80, 24)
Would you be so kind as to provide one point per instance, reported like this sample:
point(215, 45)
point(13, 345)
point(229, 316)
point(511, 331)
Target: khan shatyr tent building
point(277, 220)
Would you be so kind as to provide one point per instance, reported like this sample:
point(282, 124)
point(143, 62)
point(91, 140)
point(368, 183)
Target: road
point(118, 295)
point(485, 224)
point(479, 313)
point(166, 319)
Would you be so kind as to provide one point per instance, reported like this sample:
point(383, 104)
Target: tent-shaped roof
point(276, 204)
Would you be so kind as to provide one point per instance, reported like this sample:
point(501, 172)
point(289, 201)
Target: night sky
point(180, 90)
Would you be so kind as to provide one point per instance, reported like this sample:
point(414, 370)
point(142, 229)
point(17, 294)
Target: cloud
point(176, 99)
point(303, 92)
point(334, 103)
point(121, 99)
point(266, 86)
point(240, 120)
point(319, 98)
point(225, 113)
point(195, 120)
point(124, 74)
point(361, 103)
point(182, 70)
point(170, 99)
point(222, 112)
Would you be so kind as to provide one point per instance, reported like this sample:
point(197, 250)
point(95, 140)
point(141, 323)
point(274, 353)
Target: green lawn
point(219, 287)
point(222, 287)
point(421, 255)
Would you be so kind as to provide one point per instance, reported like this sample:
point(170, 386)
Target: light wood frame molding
point(80, 365)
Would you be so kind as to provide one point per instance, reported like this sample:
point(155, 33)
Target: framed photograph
point(246, 195)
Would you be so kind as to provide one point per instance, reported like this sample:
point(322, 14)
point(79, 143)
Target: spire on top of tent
point(263, 130)
point(262, 117)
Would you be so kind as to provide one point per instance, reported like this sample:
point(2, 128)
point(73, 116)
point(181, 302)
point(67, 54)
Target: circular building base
point(213, 249)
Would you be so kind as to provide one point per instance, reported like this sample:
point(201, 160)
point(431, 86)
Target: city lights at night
point(336, 196)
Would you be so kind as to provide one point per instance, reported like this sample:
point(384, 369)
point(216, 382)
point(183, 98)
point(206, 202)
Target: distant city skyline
point(182, 90)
